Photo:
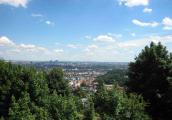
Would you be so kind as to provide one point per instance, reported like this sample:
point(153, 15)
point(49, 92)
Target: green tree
point(38, 89)
point(117, 105)
point(20, 110)
point(89, 111)
point(149, 76)
point(6, 79)
point(56, 82)
point(62, 108)
point(118, 76)
point(41, 113)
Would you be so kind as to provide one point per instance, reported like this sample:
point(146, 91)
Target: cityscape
point(78, 73)
point(85, 59)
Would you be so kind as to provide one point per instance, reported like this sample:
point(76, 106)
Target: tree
point(6, 79)
point(89, 112)
point(118, 76)
point(149, 76)
point(38, 89)
point(56, 82)
point(117, 105)
point(40, 113)
point(20, 110)
point(62, 108)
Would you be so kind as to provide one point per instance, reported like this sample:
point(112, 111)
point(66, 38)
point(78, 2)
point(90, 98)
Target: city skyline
point(78, 30)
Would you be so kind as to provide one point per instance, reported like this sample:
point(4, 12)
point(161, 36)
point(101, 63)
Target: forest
point(30, 94)
point(118, 76)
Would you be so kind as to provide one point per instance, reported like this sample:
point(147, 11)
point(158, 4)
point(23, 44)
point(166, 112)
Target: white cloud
point(167, 22)
point(163, 39)
point(72, 46)
point(58, 50)
point(5, 41)
point(15, 3)
point(147, 10)
point(92, 46)
point(132, 43)
point(145, 24)
point(104, 38)
point(132, 3)
point(91, 50)
point(31, 47)
point(133, 34)
point(9, 44)
point(120, 50)
point(145, 41)
point(12, 50)
point(167, 28)
point(49, 23)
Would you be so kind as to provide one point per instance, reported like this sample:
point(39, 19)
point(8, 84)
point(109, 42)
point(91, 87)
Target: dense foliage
point(117, 104)
point(30, 94)
point(151, 76)
point(118, 76)
point(27, 94)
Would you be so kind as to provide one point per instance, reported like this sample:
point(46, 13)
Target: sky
point(82, 30)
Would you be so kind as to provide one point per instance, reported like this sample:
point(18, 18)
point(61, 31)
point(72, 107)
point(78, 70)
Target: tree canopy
point(116, 104)
point(150, 76)
point(118, 76)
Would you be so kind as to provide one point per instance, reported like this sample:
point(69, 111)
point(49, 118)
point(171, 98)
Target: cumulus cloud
point(91, 50)
point(15, 3)
point(132, 43)
point(145, 41)
point(92, 46)
point(50, 23)
point(124, 49)
point(133, 34)
point(58, 50)
point(31, 47)
point(163, 39)
point(132, 3)
point(9, 44)
point(167, 22)
point(11, 50)
point(167, 28)
point(104, 38)
point(145, 24)
point(147, 10)
point(72, 46)
point(5, 41)
point(120, 50)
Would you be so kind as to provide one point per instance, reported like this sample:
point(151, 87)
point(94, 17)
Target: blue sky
point(82, 30)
